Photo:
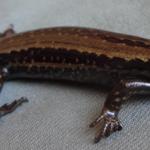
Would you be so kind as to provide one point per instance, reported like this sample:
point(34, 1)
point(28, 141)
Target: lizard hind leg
point(108, 119)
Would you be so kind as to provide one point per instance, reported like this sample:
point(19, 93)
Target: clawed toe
point(96, 121)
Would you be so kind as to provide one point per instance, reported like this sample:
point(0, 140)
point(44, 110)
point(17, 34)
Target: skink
point(116, 61)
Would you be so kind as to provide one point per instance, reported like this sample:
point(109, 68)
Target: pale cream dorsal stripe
point(80, 39)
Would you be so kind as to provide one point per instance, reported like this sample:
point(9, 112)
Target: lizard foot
point(109, 123)
point(8, 108)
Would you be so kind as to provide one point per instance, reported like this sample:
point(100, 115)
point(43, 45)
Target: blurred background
point(58, 115)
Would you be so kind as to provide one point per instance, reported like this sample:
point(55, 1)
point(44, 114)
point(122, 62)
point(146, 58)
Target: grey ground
point(58, 115)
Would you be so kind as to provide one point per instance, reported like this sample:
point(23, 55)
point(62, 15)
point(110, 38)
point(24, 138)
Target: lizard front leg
point(8, 108)
point(108, 120)
point(8, 32)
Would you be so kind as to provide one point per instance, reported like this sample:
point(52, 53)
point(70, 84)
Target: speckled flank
point(71, 65)
point(83, 40)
